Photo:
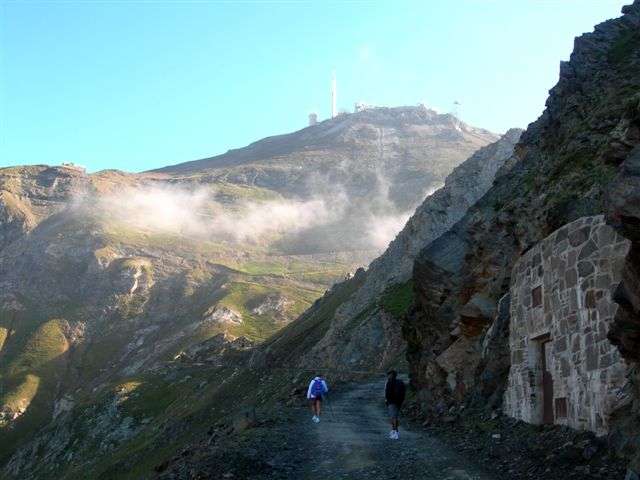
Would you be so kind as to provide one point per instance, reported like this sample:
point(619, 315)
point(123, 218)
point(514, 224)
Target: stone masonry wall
point(561, 292)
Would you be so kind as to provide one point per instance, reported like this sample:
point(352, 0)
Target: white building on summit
point(73, 166)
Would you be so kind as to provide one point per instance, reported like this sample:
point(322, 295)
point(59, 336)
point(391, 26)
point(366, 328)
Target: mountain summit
point(406, 151)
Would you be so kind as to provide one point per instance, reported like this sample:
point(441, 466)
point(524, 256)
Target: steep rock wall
point(623, 213)
point(365, 331)
point(562, 170)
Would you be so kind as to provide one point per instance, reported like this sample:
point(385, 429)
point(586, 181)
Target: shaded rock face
point(561, 291)
point(441, 210)
point(562, 170)
point(623, 213)
point(221, 315)
point(366, 330)
point(30, 194)
point(494, 364)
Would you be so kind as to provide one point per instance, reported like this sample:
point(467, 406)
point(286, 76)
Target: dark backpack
point(317, 389)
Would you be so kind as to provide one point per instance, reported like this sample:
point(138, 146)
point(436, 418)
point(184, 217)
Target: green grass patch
point(147, 398)
point(318, 272)
point(244, 297)
point(46, 344)
point(4, 333)
point(397, 299)
point(31, 379)
point(20, 397)
point(101, 353)
point(231, 192)
point(307, 330)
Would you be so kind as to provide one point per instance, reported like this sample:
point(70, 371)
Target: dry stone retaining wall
point(561, 293)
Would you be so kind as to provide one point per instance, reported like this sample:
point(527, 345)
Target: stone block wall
point(561, 293)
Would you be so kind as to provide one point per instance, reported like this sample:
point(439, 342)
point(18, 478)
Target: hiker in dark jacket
point(394, 396)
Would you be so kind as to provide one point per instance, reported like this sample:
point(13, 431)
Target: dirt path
point(351, 442)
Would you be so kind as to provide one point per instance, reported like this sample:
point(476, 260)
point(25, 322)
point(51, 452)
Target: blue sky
point(137, 85)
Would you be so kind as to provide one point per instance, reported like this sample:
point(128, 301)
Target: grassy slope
point(296, 338)
point(33, 368)
point(167, 411)
point(30, 377)
point(175, 409)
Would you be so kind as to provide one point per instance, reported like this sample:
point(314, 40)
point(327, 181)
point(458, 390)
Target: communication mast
point(334, 95)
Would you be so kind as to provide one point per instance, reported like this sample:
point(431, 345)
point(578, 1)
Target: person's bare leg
point(317, 403)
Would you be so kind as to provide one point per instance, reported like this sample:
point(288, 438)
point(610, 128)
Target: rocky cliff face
point(364, 332)
point(30, 194)
point(623, 212)
point(564, 168)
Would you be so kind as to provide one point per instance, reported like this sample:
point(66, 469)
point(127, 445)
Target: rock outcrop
point(623, 213)
point(563, 169)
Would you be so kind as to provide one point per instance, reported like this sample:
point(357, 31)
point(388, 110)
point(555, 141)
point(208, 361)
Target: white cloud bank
point(367, 223)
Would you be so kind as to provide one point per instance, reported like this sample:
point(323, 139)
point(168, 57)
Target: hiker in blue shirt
point(317, 390)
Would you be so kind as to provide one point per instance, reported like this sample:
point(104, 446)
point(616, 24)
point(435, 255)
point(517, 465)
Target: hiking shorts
point(394, 411)
point(318, 398)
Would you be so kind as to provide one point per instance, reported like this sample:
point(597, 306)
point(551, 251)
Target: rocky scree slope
point(107, 306)
point(577, 159)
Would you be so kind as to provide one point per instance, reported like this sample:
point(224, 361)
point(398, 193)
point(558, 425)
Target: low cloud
point(384, 228)
point(366, 222)
point(181, 211)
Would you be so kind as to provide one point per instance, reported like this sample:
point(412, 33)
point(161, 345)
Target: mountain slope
point(109, 279)
point(129, 422)
point(364, 330)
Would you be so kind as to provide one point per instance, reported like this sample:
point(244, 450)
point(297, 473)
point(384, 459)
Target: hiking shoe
point(396, 435)
point(391, 435)
point(316, 419)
